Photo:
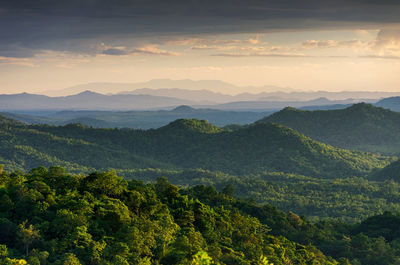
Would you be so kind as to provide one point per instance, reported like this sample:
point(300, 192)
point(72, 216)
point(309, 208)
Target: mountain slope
point(270, 105)
point(87, 100)
point(183, 144)
point(392, 103)
point(359, 127)
point(139, 119)
point(263, 147)
point(391, 171)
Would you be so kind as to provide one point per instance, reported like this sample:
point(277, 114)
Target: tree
point(229, 190)
point(3, 251)
point(70, 259)
point(201, 258)
point(28, 235)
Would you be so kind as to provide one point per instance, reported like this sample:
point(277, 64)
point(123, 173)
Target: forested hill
point(181, 144)
point(391, 171)
point(359, 127)
point(51, 217)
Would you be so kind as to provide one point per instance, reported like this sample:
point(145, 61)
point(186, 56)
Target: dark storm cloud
point(76, 25)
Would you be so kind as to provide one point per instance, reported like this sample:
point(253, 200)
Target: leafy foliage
point(103, 219)
point(359, 127)
point(181, 144)
point(390, 172)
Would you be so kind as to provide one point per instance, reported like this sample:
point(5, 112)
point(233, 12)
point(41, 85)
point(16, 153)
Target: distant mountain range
point(215, 91)
point(282, 95)
point(138, 119)
point(88, 100)
point(392, 103)
point(213, 85)
point(277, 105)
point(359, 127)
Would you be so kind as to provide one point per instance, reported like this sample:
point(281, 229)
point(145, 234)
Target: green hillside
point(359, 127)
point(50, 217)
point(390, 172)
point(349, 199)
point(181, 144)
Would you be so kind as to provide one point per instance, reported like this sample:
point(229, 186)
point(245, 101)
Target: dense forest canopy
point(49, 216)
point(181, 144)
point(334, 204)
point(52, 217)
point(349, 199)
point(358, 127)
point(266, 162)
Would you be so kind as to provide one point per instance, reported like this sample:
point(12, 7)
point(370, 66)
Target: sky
point(306, 45)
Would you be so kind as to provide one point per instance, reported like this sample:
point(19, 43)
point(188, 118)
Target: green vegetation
point(390, 172)
point(52, 217)
point(224, 210)
point(181, 144)
point(349, 200)
point(314, 179)
point(359, 127)
point(374, 241)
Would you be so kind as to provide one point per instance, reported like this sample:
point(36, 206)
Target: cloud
point(322, 44)
point(153, 50)
point(74, 25)
point(392, 57)
point(235, 41)
point(283, 55)
point(146, 50)
point(17, 61)
point(227, 44)
point(387, 42)
point(319, 44)
point(115, 51)
point(185, 41)
point(213, 47)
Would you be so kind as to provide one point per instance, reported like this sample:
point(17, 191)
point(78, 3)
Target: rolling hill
point(358, 127)
point(392, 103)
point(390, 172)
point(181, 144)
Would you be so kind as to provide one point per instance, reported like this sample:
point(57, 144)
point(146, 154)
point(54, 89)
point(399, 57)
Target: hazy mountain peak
point(87, 93)
point(291, 109)
point(184, 108)
point(362, 105)
point(192, 125)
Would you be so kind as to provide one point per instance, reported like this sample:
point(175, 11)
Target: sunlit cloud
point(380, 57)
point(319, 44)
point(324, 44)
point(185, 41)
point(145, 50)
point(17, 61)
point(388, 42)
point(213, 47)
point(260, 54)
